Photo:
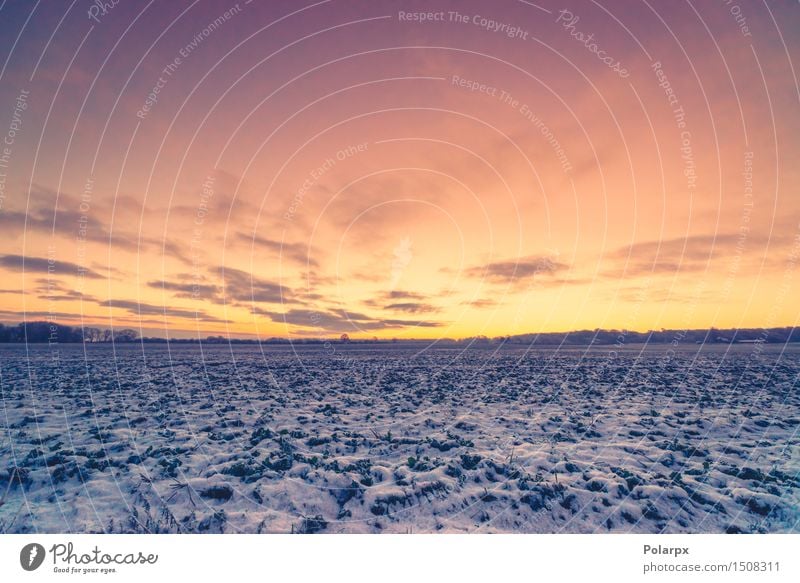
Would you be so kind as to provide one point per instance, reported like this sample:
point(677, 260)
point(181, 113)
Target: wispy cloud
point(193, 289)
point(235, 286)
point(511, 270)
point(340, 320)
point(295, 252)
point(22, 263)
point(404, 295)
point(143, 309)
point(482, 303)
point(241, 286)
point(19, 316)
point(57, 291)
point(402, 301)
point(689, 254)
point(411, 307)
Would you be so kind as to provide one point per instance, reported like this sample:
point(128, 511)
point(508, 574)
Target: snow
point(398, 439)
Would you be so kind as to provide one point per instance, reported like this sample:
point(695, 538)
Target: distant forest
point(48, 332)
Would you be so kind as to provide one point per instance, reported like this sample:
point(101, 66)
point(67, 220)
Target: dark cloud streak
point(41, 265)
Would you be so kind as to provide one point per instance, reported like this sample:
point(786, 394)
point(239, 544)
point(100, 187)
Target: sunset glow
point(450, 169)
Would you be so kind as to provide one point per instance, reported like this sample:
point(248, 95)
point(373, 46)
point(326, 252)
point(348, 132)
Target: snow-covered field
point(399, 439)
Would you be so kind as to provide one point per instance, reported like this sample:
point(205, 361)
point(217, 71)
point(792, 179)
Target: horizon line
point(675, 336)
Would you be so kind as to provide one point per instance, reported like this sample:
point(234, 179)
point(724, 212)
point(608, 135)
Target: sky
point(399, 169)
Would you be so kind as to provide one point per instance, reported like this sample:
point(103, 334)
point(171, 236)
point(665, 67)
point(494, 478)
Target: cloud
point(236, 286)
point(58, 213)
point(241, 286)
point(340, 320)
point(295, 316)
point(391, 323)
point(659, 295)
point(193, 289)
point(516, 269)
point(113, 272)
point(42, 265)
point(695, 247)
point(352, 316)
point(296, 252)
point(411, 307)
point(57, 291)
point(45, 220)
point(382, 202)
point(481, 303)
point(404, 295)
point(142, 309)
point(690, 254)
point(19, 316)
point(395, 300)
point(174, 249)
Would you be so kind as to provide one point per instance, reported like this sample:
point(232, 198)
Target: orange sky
point(309, 170)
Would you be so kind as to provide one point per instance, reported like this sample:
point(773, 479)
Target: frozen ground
point(398, 440)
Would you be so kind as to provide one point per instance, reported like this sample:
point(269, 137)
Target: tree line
point(664, 336)
point(50, 332)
